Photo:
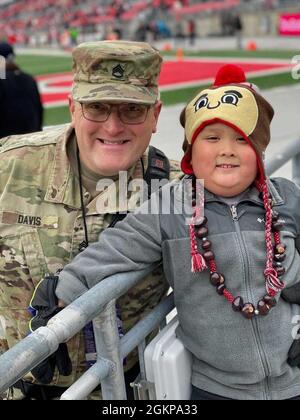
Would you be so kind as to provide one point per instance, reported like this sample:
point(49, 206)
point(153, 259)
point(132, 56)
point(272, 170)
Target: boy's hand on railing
point(61, 304)
point(43, 306)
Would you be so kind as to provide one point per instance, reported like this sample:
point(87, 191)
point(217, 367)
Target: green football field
point(39, 65)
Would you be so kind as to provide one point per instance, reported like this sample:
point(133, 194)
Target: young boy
point(243, 252)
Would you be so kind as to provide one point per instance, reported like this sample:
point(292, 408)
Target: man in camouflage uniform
point(114, 108)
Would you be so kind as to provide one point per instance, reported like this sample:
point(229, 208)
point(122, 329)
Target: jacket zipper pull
point(234, 213)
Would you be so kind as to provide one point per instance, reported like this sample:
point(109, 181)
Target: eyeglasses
point(129, 113)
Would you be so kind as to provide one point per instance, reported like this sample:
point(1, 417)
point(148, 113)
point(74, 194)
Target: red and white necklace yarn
point(275, 256)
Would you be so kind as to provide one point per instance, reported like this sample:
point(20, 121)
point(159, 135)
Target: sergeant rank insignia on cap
point(118, 71)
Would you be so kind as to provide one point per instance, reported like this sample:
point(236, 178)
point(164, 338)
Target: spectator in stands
point(20, 104)
point(73, 36)
point(141, 32)
point(237, 26)
point(191, 28)
point(111, 34)
point(178, 32)
point(162, 29)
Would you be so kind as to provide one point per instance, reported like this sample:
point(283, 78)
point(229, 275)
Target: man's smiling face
point(112, 146)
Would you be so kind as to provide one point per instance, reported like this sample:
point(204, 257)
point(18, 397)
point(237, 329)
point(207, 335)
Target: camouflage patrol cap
point(116, 71)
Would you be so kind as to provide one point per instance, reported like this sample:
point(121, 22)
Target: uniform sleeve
point(16, 284)
point(131, 245)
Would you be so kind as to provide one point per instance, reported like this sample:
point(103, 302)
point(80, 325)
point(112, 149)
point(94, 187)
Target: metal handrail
point(291, 152)
point(34, 348)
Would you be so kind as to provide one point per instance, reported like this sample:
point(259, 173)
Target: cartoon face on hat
point(236, 105)
point(116, 71)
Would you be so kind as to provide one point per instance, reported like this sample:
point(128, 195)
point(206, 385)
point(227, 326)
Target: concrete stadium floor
point(284, 129)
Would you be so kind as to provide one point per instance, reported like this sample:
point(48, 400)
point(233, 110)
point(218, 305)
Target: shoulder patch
point(41, 138)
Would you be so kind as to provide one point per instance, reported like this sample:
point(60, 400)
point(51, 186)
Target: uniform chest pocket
point(22, 265)
point(23, 231)
point(34, 255)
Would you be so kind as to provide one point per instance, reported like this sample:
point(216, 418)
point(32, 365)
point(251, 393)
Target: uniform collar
point(63, 186)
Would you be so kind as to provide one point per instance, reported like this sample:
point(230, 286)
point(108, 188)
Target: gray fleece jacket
point(232, 356)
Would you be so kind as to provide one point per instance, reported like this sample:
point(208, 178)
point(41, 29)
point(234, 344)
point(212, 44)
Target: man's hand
point(43, 306)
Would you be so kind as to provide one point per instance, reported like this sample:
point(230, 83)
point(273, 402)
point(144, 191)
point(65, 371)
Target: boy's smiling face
point(224, 159)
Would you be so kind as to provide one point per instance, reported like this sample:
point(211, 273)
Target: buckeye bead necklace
point(275, 257)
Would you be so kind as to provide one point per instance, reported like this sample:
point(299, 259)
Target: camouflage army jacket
point(41, 227)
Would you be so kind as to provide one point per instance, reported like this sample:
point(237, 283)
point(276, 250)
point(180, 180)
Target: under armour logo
point(261, 220)
point(118, 71)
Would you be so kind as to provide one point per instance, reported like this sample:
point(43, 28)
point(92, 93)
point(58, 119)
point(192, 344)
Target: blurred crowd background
point(64, 23)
